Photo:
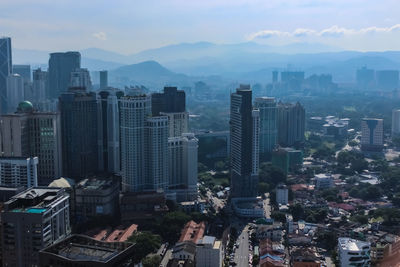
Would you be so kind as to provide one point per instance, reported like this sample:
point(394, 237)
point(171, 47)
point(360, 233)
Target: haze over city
point(172, 133)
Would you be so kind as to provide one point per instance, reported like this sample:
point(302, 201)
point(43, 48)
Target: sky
point(130, 26)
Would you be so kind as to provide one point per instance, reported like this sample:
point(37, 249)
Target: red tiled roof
point(192, 232)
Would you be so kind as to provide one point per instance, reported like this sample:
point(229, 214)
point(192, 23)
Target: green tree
point(146, 243)
point(152, 261)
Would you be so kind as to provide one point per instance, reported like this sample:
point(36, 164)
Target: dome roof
point(25, 107)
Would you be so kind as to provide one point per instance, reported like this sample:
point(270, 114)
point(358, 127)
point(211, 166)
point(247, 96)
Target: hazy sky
point(128, 26)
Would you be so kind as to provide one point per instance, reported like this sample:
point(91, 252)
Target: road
point(167, 257)
point(242, 252)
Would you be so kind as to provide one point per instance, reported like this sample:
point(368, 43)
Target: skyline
point(129, 27)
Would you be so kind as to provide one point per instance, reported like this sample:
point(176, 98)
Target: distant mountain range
point(245, 62)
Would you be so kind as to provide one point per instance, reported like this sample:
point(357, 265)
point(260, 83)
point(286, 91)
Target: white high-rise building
point(19, 171)
point(144, 145)
point(183, 166)
point(81, 78)
point(134, 111)
point(15, 92)
point(178, 123)
point(156, 153)
point(354, 252)
point(395, 122)
point(372, 134)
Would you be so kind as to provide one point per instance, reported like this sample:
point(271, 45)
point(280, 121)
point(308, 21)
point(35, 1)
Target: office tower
point(79, 127)
point(365, 78)
point(31, 221)
point(144, 150)
point(372, 135)
point(268, 124)
point(171, 100)
point(5, 70)
point(287, 76)
point(353, 252)
point(387, 79)
point(395, 122)
point(109, 130)
point(103, 79)
point(275, 74)
point(23, 70)
point(172, 103)
point(81, 78)
point(156, 156)
point(183, 166)
point(134, 111)
point(18, 171)
point(178, 123)
point(291, 124)
point(15, 92)
point(28, 133)
point(243, 146)
point(39, 85)
point(60, 67)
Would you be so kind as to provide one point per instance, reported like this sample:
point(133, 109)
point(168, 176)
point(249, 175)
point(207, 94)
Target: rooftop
point(192, 232)
point(83, 248)
point(349, 244)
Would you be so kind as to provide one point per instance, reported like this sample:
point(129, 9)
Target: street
point(242, 252)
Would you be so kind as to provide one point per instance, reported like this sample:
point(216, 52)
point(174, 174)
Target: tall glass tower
point(5, 70)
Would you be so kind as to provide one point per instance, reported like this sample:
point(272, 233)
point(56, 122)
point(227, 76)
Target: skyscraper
point(79, 126)
point(244, 128)
point(144, 147)
point(172, 103)
point(103, 79)
point(15, 92)
point(28, 133)
point(395, 122)
point(291, 124)
point(268, 124)
point(81, 78)
point(5, 70)
point(372, 135)
point(183, 166)
point(109, 130)
point(39, 85)
point(23, 70)
point(60, 67)
point(365, 78)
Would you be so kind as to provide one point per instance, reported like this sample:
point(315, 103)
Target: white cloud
point(100, 35)
point(334, 31)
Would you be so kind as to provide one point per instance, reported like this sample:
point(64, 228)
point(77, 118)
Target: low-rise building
point(323, 181)
point(304, 257)
point(95, 197)
point(209, 252)
point(193, 206)
point(142, 207)
point(353, 252)
point(248, 207)
point(282, 194)
point(80, 250)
